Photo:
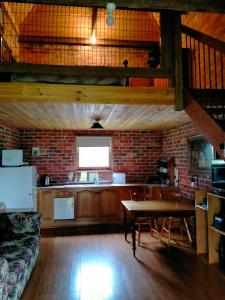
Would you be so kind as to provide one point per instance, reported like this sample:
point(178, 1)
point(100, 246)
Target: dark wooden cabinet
point(45, 207)
point(86, 204)
point(93, 205)
point(109, 204)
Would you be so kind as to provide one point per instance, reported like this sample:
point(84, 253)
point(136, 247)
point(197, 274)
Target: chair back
point(169, 195)
point(139, 194)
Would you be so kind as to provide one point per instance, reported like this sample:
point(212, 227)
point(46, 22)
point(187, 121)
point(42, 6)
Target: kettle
point(47, 180)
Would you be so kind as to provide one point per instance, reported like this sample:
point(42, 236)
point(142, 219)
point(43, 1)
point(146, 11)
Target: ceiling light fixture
point(93, 38)
point(96, 125)
point(110, 8)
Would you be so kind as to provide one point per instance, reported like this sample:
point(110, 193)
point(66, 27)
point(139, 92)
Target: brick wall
point(9, 138)
point(134, 152)
point(175, 144)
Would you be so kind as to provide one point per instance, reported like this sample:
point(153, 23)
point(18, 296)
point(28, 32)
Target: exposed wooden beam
point(86, 42)
point(85, 71)
point(167, 44)
point(171, 52)
point(179, 5)
point(165, 33)
point(59, 93)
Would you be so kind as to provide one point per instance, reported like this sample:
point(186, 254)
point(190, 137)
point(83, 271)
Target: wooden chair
point(141, 195)
point(167, 221)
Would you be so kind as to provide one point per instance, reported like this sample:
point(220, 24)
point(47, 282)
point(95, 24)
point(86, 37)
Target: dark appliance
point(163, 170)
point(218, 176)
point(44, 180)
point(221, 253)
point(154, 179)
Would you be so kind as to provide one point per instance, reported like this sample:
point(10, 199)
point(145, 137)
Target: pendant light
point(96, 125)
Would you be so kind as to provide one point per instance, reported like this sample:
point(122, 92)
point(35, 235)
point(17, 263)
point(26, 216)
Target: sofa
point(19, 249)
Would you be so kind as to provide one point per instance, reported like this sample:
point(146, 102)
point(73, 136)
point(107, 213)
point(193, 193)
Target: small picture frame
point(200, 155)
point(35, 151)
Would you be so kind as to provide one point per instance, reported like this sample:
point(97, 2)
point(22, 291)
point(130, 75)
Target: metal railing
point(206, 57)
point(205, 61)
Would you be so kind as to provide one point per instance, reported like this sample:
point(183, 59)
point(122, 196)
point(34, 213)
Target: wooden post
point(171, 52)
point(179, 103)
point(165, 33)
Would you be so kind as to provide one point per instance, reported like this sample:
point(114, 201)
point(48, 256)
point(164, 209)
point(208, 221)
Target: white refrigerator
point(18, 187)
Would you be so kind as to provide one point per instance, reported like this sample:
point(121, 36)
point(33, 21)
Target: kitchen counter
point(94, 203)
point(84, 185)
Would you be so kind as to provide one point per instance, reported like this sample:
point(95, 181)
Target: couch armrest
point(25, 222)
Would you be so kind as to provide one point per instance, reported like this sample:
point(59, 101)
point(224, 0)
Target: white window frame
point(94, 141)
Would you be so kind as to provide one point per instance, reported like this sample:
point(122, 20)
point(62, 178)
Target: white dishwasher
point(64, 208)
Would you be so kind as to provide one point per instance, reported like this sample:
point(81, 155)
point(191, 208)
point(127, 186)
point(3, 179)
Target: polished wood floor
point(97, 267)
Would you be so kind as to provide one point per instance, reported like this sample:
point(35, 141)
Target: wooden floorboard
point(101, 266)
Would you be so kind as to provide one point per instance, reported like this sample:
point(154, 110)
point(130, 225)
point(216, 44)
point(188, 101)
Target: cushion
point(17, 268)
point(5, 228)
point(24, 222)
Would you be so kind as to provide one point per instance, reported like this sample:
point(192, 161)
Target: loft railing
point(206, 60)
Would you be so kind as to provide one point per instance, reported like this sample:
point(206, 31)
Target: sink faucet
point(96, 178)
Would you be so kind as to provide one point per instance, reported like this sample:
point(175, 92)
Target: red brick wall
point(134, 152)
point(175, 144)
point(9, 138)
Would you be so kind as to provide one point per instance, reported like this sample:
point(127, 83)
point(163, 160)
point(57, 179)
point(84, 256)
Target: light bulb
point(93, 38)
point(110, 8)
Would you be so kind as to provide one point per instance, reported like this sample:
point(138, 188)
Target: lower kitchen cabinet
point(109, 203)
point(97, 205)
point(85, 204)
point(45, 207)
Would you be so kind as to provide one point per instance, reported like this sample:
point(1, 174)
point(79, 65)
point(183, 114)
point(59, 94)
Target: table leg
point(187, 229)
point(133, 233)
point(125, 223)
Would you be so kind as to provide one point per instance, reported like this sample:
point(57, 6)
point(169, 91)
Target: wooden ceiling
point(75, 107)
point(81, 116)
point(133, 109)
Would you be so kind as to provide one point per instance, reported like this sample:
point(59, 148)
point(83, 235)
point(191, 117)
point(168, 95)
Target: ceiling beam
point(179, 5)
point(86, 42)
point(85, 71)
point(83, 94)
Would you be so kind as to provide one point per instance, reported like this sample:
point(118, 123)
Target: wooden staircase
point(204, 92)
point(202, 118)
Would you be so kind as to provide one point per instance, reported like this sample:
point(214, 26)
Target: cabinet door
point(109, 204)
point(85, 206)
point(45, 207)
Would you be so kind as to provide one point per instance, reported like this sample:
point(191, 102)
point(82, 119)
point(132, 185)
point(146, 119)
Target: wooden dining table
point(153, 208)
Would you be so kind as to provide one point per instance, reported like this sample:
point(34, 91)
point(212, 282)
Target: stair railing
point(205, 61)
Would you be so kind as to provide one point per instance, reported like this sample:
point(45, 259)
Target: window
point(94, 151)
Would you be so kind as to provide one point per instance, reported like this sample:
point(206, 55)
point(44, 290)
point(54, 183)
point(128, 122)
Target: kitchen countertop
point(84, 185)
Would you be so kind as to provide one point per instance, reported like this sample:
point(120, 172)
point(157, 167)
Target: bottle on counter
point(96, 181)
point(47, 180)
